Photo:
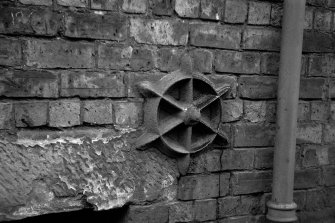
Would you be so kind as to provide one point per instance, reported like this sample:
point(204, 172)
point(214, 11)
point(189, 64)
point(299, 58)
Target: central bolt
point(191, 115)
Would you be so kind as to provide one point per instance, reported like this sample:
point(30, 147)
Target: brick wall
point(69, 109)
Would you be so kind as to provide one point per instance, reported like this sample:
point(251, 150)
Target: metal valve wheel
point(182, 112)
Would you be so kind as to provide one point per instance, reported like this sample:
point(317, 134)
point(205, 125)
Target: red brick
point(148, 214)
point(322, 19)
point(263, 158)
point(258, 87)
point(205, 210)
point(206, 162)
point(309, 133)
point(29, 21)
point(216, 36)
point(260, 38)
point(329, 175)
point(313, 88)
point(202, 60)
point(64, 113)
point(254, 135)
point(104, 4)
point(232, 110)
point(259, 111)
point(98, 111)
point(198, 187)
point(135, 6)
point(92, 84)
point(31, 114)
point(181, 212)
point(238, 159)
point(29, 83)
point(276, 14)
point(169, 59)
point(59, 53)
point(82, 25)
point(224, 184)
point(128, 114)
point(10, 52)
point(125, 58)
point(319, 110)
point(304, 179)
point(211, 9)
point(36, 2)
point(187, 8)
point(74, 3)
point(318, 42)
point(270, 63)
point(240, 205)
point(237, 62)
point(6, 115)
point(236, 11)
point(162, 32)
point(162, 7)
point(259, 13)
point(251, 182)
point(322, 65)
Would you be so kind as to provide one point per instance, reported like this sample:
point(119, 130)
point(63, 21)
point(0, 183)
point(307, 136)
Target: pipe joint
point(281, 212)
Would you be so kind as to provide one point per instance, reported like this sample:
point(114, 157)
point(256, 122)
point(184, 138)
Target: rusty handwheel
point(182, 112)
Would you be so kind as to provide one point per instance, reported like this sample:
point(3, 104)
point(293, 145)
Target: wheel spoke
point(189, 92)
point(201, 143)
point(207, 123)
point(174, 102)
point(169, 124)
point(146, 138)
point(205, 101)
point(188, 138)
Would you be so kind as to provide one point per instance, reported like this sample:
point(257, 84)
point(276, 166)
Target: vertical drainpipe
point(281, 208)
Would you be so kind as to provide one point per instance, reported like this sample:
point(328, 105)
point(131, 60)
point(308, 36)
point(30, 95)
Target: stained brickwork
point(70, 108)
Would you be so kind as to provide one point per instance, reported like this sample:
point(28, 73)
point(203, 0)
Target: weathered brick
point(276, 14)
point(270, 63)
point(232, 110)
point(211, 9)
point(308, 178)
point(6, 115)
point(322, 19)
point(324, 215)
point(205, 210)
point(28, 83)
point(181, 212)
point(312, 88)
point(74, 3)
point(319, 110)
point(322, 65)
point(313, 156)
point(218, 80)
point(59, 53)
point(303, 111)
point(92, 84)
point(198, 187)
point(317, 2)
point(259, 87)
point(329, 175)
point(259, 13)
point(240, 205)
point(299, 197)
point(263, 158)
point(329, 133)
point(224, 184)
point(187, 8)
point(244, 219)
point(316, 200)
point(237, 62)
point(135, 6)
point(260, 38)
point(309, 15)
point(236, 11)
point(169, 59)
point(128, 113)
point(254, 135)
point(332, 110)
point(98, 111)
point(83, 25)
point(31, 114)
point(251, 182)
point(104, 4)
point(259, 111)
point(309, 133)
point(10, 52)
point(202, 60)
point(216, 36)
point(163, 32)
point(29, 21)
point(148, 214)
point(64, 113)
point(162, 7)
point(37, 2)
point(238, 159)
point(125, 58)
point(206, 162)
point(315, 42)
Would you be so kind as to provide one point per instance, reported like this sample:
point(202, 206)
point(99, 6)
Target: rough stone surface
point(232, 110)
point(259, 13)
point(211, 9)
point(128, 113)
point(6, 115)
point(181, 212)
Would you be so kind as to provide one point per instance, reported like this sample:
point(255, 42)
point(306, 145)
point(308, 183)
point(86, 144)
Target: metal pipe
point(281, 208)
